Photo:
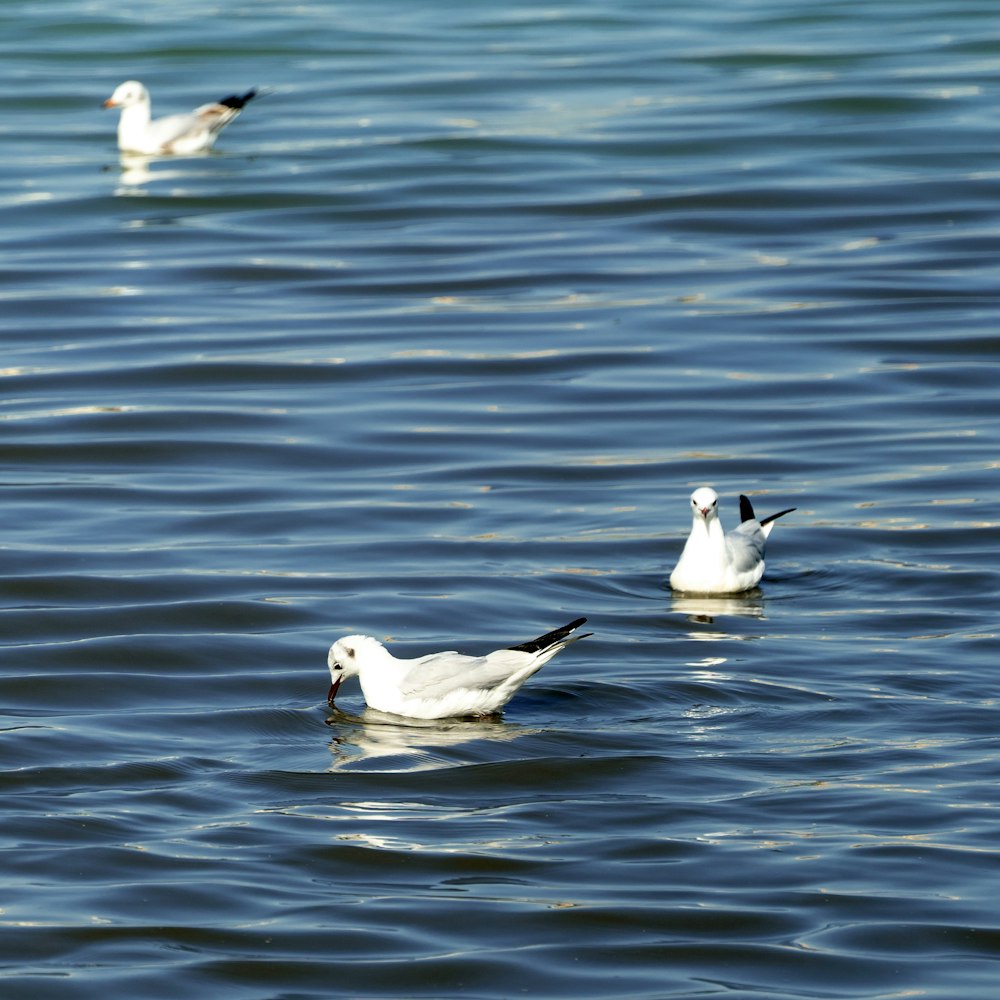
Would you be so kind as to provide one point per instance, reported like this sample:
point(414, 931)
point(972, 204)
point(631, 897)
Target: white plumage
point(440, 685)
point(716, 563)
point(187, 134)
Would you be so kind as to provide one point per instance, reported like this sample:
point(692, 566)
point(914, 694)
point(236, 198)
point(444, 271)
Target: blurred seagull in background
point(183, 135)
point(441, 685)
point(716, 563)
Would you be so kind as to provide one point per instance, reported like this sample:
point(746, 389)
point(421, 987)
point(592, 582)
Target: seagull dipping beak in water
point(184, 135)
point(441, 685)
point(716, 563)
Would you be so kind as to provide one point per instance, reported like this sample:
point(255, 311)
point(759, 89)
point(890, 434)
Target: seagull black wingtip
point(550, 638)
point(774, 517)
point(236, 102)
point(747, 514)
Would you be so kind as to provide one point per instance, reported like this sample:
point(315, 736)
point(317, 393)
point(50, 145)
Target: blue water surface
point(434, 347)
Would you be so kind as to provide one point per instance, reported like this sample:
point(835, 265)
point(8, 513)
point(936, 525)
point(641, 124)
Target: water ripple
point(435, 347)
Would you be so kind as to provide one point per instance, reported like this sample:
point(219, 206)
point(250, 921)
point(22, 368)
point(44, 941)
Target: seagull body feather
point(184, 134)
point(445, 684)
point(714, 562)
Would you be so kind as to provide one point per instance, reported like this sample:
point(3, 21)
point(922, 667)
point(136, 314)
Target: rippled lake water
point(434, 347)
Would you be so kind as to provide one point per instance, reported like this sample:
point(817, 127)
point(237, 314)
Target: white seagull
point(441, 685)
point(716, 563)
point(185, 135)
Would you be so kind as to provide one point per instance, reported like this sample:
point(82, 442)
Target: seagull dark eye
point(337, 666)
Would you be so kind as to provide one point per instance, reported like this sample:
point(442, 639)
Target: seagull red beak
point(334, 688)
point(109, 103)
point(704, 511)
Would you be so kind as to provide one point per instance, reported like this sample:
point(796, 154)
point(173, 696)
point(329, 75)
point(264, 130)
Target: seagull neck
point(136, 115)
point(134, 119)
point(380, 674)
point(710, 531)
point(132, 125)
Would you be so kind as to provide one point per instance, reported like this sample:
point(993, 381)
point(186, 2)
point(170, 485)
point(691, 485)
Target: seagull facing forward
point(716, 563)
point(185, 135)
point(441, 685)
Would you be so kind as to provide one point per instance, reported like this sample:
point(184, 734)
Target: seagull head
point(127, 94)
point(346, 658)
point(704, 504)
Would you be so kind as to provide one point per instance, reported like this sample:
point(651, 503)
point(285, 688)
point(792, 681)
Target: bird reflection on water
point(138, 169)
point(706, 609)
point(376, 740)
